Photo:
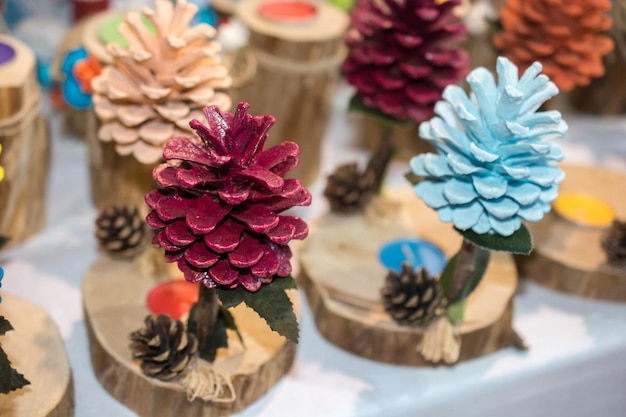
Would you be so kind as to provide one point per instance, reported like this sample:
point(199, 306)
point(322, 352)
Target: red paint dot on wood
point(174, 298)
point(288, 11)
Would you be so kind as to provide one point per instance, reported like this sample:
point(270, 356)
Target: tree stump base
point(35, 348)
point(568, 257)
point(24, 136)
point(342, 277)
point(114, 295)
point(297, 70)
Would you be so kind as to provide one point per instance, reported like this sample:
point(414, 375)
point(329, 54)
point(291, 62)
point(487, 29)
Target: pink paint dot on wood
point(288, 11)
point(174, 298)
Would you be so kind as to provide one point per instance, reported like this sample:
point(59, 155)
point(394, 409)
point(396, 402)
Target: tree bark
point(465, 265)
point(205, 314)
point(381, 158)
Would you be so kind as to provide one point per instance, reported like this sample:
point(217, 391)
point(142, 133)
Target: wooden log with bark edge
point(342, 278)
point(35, 348)
point(114, 294)
point(25, 144)
point(297, 72)
point(570, 258)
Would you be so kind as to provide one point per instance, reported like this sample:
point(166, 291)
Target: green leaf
point(10, 379)
point(219, 337)
point(270, 302)
point(456, 312)
point(5, 326)
point(520, 242)
point(356, 104)
point(413, 179)
point(445, 279)
point(5, 373)
point(229, 320)
point(480, 266)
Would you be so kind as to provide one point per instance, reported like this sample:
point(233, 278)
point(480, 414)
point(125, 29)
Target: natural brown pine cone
point(413, 297)
point(164, 347)
point(161, 82)
point(120, 230)
point(565, 36)
point(348, 189)
point(614, 244)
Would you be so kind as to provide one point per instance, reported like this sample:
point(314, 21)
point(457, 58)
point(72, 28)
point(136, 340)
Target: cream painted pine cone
point(160, 82)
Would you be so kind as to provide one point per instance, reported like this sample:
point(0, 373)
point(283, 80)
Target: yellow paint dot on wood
point(584, 209)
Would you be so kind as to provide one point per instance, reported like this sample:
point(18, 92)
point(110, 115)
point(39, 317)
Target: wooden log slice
point(342, 277)
point(19, 87)
point(35, 348)
point(24, 137)
point(570, 258)
point(90, 34)
point(296, 75)
point(114, 294)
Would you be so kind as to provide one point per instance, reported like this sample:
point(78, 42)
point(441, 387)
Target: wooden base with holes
point(24, 136)
point(570, 258)
point(342, 277)
point(35, 348)
point(114, 294)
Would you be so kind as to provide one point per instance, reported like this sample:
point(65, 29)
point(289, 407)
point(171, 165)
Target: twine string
point(203, 381)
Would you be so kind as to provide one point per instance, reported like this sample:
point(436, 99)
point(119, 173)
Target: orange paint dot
point(174, 298)
point(86, 70)
point(288, 11)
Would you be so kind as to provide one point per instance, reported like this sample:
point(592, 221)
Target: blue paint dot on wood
point(417, 252)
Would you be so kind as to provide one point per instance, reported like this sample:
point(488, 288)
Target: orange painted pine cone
point(565, 36)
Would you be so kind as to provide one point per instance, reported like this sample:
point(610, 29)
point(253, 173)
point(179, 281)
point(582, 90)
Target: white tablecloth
point(575, 366)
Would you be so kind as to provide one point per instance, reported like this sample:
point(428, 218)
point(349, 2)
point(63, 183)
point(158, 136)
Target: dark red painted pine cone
point(403, 53)
point(217, 213)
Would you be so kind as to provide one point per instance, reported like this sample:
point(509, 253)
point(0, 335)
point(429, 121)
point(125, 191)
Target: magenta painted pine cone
point(403, 53)
point(216, 214)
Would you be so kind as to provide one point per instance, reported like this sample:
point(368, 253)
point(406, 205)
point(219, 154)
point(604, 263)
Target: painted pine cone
point(217, 213)
point(160, 82)
point(496, 165)
point(164, 347)
point(566, 36)
point(413, 297)
point(120, 230)
point(403, 53)
point(614, 244)
point(348, 189)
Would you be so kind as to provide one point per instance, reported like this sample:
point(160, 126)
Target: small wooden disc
point(329, 23)
point(342, 277)
point(568, 257)
point(19, 87)
point(91, 34)
point(114, 295)
point(35, 348)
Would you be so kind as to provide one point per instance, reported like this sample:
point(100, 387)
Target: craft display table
point(574, 368)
